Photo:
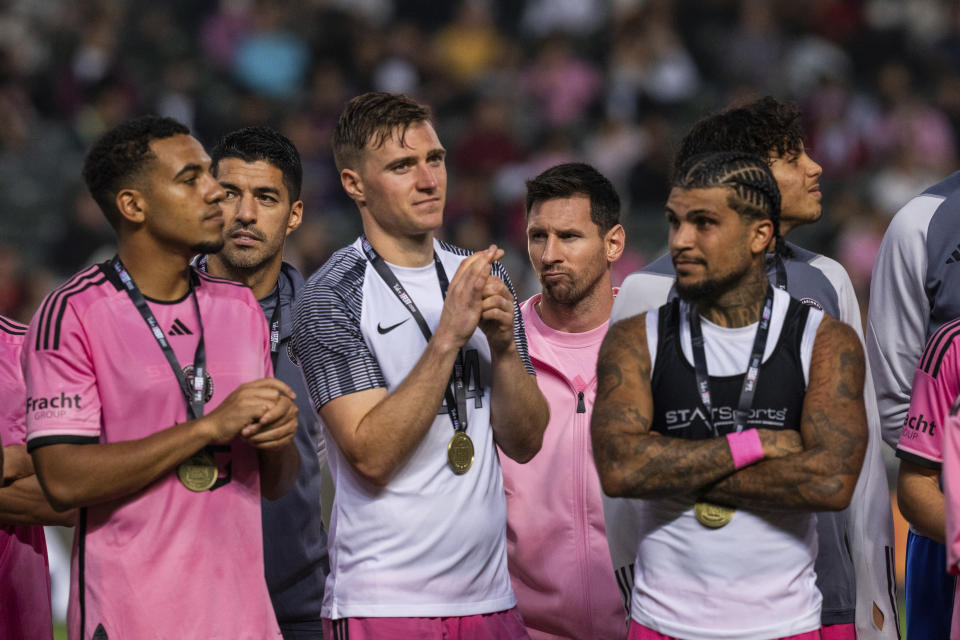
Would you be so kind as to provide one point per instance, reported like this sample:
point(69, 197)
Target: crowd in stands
point(516, 85)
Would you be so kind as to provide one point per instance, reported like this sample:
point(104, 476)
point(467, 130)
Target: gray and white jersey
point(855, 559)
point(430, 543)
point(915, 289)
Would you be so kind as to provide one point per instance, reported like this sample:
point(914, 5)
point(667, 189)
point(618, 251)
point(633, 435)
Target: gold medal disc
point(198, 472)
point(712, 515)
point(460, 453)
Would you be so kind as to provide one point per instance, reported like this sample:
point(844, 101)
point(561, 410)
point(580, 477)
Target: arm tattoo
point(631, 460)
point(833, 426)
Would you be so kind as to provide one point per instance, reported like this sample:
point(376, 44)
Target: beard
point(708, 289)
point(572, 289)
point(203, 248)
point(245, 259)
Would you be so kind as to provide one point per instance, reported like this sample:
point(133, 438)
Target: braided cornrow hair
point(755, 193)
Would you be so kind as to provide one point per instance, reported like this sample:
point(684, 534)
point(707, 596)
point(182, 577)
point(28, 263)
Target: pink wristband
point(745, 447)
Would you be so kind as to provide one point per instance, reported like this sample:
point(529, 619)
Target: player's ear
point(614, 241)
point(132, 205)
point(352, 184)
point(761, 237)
point(296, 216)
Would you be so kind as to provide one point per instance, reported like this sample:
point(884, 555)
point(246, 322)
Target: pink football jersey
point(24, 576)
point(951, 494)
point(936, 383)
point(165, 562)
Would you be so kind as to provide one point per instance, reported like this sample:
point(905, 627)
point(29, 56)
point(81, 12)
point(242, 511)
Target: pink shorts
point(840, 632)
point(639, 632)
point(503, 625)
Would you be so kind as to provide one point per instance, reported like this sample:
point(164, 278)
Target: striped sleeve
point(12, 386)
point(63, 397)
point(327, 337)
point(49, 319)
point(519, 333)
point(935, 384)
point(951, 487)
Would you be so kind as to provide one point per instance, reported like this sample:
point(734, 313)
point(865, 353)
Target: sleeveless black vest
point(778, 401)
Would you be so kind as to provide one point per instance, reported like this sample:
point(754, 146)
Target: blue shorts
point(929, 589)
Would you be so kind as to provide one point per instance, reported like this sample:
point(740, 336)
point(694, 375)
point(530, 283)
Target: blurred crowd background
point(515, 85)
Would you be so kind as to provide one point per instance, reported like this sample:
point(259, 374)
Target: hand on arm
point(273, 436)
point(81, 475)
point(22, 503)
point(518, 410)
point(375, 431)
point(822, 477)
point(17, 463)
point(21, 499)
point(633, 461)
point(920, 500)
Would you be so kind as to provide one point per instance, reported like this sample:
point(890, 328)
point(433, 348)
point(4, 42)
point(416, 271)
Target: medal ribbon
point(781, 272)
point(750, 378)
point(195, 393)
point(275, 332)
point(457, 399)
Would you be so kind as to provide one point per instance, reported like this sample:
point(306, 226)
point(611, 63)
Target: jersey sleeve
point(63, 400)
point(899, 312)
point(519, 334)
point(641, 292)
point(12, 393)
point(328, 340)
point(951, 489)
point(934, 388)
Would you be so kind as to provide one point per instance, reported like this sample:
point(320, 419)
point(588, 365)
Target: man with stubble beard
point(260, 171)
point(556, 546)
point(734, 413)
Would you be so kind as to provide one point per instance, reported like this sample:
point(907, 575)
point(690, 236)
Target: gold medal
point(460, 453)
point(712, 515)
point(198, 472)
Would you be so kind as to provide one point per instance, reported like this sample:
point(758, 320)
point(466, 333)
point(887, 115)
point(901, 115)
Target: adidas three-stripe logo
point(179, 329)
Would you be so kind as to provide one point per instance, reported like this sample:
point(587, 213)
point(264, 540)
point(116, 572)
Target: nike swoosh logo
point(383, 330)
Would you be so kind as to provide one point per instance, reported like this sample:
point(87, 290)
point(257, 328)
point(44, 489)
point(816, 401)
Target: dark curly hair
point(753, 189)
point(120, 155)
point(762, 127)
point(251, 144)
point(369, 119)
point(573, 179)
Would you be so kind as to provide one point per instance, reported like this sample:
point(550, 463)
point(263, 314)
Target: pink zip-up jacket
point(556, 544)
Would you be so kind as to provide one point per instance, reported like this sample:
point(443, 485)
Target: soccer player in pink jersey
point(121, 363)
point(924, 449)
point(556, 543)
point(951, 491)
point(24, 576)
